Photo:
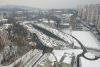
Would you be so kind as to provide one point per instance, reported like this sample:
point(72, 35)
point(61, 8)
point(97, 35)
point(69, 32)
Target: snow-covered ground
point(56, 32)
point(88, 63)
point(60, 53)
point(65, 56)
point(87, 39)
point(46, 40)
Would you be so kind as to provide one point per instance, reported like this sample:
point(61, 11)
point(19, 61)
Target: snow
point(84, 62)
point(7, 25)
point(56, 32)
point(4, 20)
point(67, 24)
point(60, 53)
point(67, 15)
point(44, 39)
point(90, 55)
point(45, 21)
point(87, 39)
point(51, 21)
point(88, 63)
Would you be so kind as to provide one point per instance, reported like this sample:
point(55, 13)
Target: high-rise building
point(98, 24)
point(73, 22)
point(80, 10)
point(89, 13)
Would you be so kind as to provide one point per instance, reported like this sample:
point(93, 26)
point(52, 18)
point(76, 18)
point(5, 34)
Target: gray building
point(98, 24)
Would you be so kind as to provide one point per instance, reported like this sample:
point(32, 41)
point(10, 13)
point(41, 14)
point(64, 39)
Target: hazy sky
point(49, 3)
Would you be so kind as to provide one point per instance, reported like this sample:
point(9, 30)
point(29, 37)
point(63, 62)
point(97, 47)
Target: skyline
point(49, 3)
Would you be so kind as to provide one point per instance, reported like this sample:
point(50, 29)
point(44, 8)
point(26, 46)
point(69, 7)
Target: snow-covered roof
point(51, 21)
point(67, 24)
point(7, 25)
point(28, 22)
point(67, 15)
point(56, 32)
point(87, 39)
point(4, 19)
point(46, 21)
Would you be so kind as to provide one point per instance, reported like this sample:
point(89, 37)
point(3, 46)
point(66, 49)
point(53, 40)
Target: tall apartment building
point(98, 22)
point(89, 13)
point(80, 10)
point(72, 22)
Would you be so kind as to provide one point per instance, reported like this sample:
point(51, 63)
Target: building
point(1, 16)
point(73, 22)
point(89, 13)
point(98, 22)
